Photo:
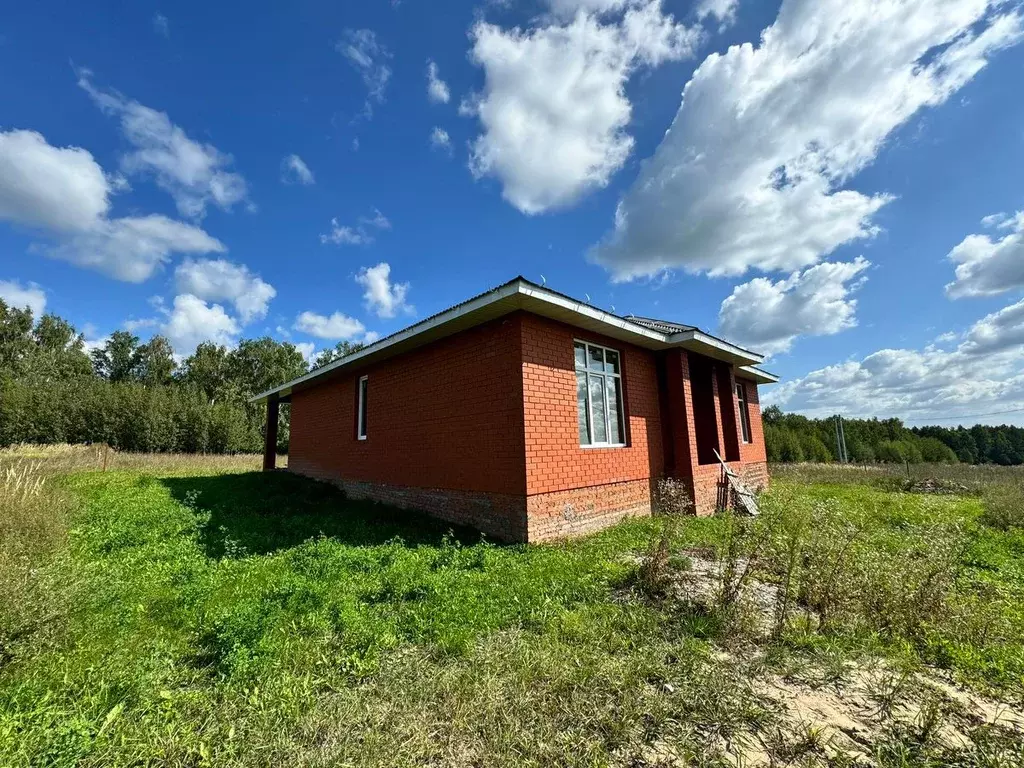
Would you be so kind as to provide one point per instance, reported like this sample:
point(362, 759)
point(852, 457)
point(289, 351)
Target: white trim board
point(520, 294)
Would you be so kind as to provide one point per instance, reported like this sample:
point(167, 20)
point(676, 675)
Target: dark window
point(361, 425)
point(741, 399)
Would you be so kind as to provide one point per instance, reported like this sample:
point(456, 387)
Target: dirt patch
point(936, 486)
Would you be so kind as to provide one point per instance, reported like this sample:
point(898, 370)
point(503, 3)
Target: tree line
point(138, 396)
point(791, 438)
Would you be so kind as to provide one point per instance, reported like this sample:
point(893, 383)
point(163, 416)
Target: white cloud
point(767, 316)
point(724, 11)
point(58, 188)
point(295, 171)
point(335, 326)
point(754, 171)
point(437, 89)
point(308, 351)
point(983, 373)
point(19, 296)
point(345, 235)
point(358, 235)
point(439, 139)
point(134, 247)
point(377, 221)
point(369, 58)
point(192, 321)
point(567, 9)
point(382, 296)
point(554, 109)
point(222, 280)
point(64, 192)
point(194, 174)
point(161, 26)
point(986, 266)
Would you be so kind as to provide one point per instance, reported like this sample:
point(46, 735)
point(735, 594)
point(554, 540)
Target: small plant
point(672, 502)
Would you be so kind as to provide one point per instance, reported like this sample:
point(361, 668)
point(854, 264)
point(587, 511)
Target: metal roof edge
point(522, 287)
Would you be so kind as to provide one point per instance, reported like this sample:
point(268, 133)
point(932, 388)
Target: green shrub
point(1003, 506)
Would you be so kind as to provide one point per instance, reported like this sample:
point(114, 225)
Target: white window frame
point(363, 389)
point(743, 406)
point(590, 405)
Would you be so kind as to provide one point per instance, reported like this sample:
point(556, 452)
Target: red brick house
point(528, 415)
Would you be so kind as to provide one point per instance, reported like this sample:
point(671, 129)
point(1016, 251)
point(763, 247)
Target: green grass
point(191, 618)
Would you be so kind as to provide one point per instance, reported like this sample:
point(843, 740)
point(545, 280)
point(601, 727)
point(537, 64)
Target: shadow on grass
point(256, 513)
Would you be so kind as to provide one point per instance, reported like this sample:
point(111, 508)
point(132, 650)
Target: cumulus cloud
point(295, 171)
point(987, 266)
point(64, 193)
point(439, 139)
point(383, 297)
point(554, 109)
point(437, 89)
point(191, 321)
point(360, 234)
point(334, 326)
point(755, 169)
point(768, 316)
point(133, 248)
point(58, 188)
point(222, 280)
point(723, 11)
point(19, 296)
point(308, 351)
point(983, 372)
point(370, 59)
point(194, 174)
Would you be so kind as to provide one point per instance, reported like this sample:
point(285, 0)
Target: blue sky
point(839, 192)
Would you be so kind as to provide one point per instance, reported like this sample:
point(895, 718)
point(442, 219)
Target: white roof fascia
point(645, 336)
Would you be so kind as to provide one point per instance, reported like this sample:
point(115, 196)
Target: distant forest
point(791, 438)
point(137, 396)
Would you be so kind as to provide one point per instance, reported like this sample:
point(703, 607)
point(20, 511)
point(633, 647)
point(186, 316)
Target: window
point(598, 395)
point(741, 399)
point(361, 425)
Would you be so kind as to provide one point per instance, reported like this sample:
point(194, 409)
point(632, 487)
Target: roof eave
point(522, 294)
point(757, 375)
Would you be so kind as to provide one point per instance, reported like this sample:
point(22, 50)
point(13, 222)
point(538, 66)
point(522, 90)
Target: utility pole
point(840, 439)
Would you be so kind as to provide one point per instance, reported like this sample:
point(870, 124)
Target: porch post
point(270, 440)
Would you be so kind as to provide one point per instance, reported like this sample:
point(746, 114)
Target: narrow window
point(741, 399)
point(598, 396)
point(361, 427)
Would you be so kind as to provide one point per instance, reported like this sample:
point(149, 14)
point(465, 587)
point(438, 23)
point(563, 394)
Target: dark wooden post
point(270, 440)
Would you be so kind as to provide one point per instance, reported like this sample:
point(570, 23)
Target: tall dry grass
point(33, 528)
point(64, 459)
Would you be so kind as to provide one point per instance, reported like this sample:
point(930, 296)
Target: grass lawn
point(198, 616)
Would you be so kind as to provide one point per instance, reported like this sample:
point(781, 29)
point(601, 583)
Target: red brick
point(480, 429)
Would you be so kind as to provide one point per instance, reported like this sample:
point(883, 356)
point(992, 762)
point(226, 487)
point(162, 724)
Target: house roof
point(664, 326)
point(521, 294)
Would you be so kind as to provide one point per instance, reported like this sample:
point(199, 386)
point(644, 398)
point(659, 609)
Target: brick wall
point(555, 461)
point(481, 429)
point(447, 415)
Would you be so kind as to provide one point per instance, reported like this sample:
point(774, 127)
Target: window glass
point(581, 355)
point(741, 399)
point(597, 408)
point(361, 427)
point(611, 361)
point(614, 410)
point(582, 412)
point(600, 416)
